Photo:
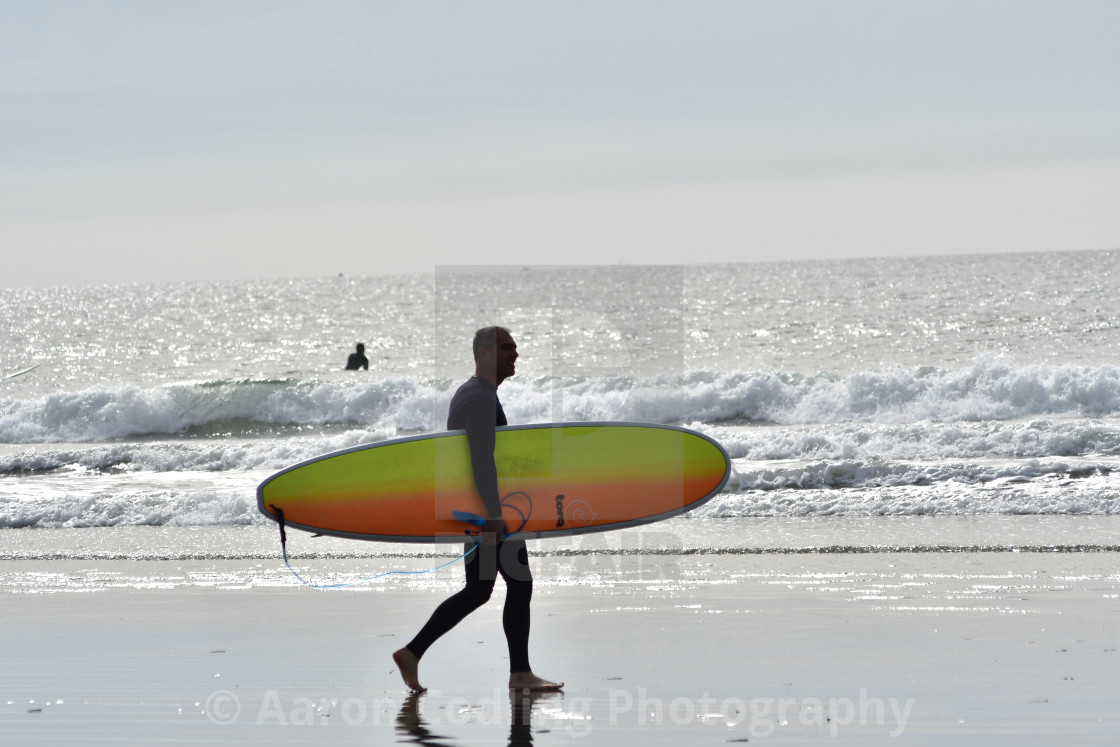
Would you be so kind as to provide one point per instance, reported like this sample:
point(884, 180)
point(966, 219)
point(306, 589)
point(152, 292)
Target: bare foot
point(407, 663)
point(528, 682)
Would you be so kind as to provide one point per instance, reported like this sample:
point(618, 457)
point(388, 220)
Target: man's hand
point(494, 531)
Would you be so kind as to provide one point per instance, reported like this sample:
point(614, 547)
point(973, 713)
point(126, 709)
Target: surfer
point(476, 408)
point(358, 360)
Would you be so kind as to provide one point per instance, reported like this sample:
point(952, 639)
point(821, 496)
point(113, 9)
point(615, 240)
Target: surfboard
point(556, 480)
point(21, 373)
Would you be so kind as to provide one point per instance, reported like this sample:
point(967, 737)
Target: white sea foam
point(819, 488)
point(129, 411)
point(865, 443)
point(991, 389)
point(925, 440)
point(128, 508)
point(187, 455)
point(881, 473)
point(1051, 494)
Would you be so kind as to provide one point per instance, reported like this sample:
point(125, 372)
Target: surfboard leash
point(480, 521)
point(284, 547)
point(284, 550)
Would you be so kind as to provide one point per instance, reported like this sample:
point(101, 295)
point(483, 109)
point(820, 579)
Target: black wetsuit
point(476, 409)
point(356, 361)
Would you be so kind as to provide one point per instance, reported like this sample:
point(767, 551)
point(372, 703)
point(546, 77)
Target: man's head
point(495, 354)
point(361, 348)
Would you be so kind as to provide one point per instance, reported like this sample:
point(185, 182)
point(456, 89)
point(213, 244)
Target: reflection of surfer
point(475, 408)
point(358, 359)
point(521, 715)
point(412, 726)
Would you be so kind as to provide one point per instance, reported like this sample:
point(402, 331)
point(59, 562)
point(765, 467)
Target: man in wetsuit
point(358, 360)
point(476, 409)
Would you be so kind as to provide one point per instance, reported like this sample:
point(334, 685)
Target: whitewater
point(855, 390)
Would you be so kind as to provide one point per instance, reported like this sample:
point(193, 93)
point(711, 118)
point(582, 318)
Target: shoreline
point(686, 535)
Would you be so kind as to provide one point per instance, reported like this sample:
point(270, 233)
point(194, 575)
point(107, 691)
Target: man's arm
point(481, 437)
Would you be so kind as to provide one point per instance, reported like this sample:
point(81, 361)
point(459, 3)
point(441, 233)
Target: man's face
point(505, 356)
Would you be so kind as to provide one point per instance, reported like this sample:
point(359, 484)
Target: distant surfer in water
point(476, 408)
point(358, 359)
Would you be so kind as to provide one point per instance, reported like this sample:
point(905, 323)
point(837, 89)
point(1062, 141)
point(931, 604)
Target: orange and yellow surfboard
point(555, 479)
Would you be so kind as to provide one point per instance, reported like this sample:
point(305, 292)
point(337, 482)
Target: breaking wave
point(991, 389)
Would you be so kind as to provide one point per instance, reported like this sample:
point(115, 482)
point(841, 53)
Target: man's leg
point(479, 567)
point(513, 564)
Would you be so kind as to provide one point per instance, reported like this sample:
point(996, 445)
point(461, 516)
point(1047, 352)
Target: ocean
point(933, 404)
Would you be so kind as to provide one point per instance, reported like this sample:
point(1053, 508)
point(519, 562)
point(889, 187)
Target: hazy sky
point(152, 141)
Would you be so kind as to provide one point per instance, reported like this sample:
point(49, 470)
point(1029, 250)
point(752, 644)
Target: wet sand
point(909, 648)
